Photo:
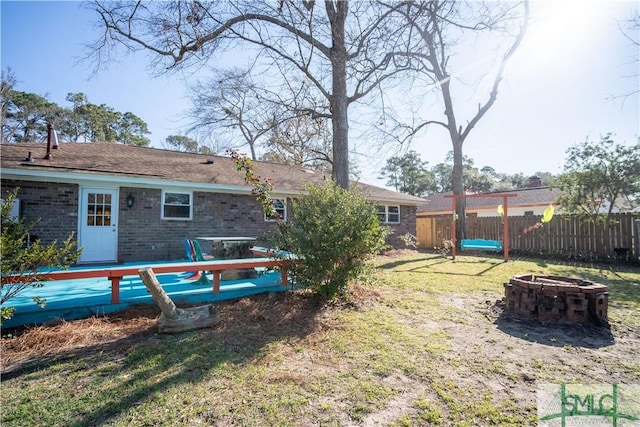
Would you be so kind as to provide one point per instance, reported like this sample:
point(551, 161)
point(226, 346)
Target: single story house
point(528, 201)
point(127, 203)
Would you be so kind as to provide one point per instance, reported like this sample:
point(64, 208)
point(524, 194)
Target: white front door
point(98, 231)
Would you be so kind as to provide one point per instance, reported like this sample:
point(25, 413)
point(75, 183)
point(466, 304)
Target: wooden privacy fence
point(564, 234)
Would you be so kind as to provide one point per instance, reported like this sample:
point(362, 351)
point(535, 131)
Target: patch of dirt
point(495, 352)
point(395, 253)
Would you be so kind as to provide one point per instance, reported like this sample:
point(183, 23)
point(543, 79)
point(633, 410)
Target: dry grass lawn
point(426, 342)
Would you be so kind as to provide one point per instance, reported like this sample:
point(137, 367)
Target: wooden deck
point(83, 292)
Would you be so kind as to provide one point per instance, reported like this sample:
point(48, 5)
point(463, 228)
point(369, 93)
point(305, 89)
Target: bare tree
point(431, 34)
point(232, 105)
point(339, 47)
point(282, 122)
point(301, 140)
point(630, 29)
point(301, 132)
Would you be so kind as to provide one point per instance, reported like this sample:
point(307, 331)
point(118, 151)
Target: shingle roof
point(538, 196)
point(132, 163)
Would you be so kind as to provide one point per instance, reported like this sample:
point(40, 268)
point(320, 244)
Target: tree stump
point(173, 319)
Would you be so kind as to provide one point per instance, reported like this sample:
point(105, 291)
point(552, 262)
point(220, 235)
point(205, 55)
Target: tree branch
point(496, 83)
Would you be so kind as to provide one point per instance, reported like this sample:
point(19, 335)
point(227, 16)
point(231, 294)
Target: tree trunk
point(254, 157)
point(173, 319)
point(458, 188)
point(337, 13)
point(457, 139)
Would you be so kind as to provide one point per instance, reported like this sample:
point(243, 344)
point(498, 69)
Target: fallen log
point(174, 319)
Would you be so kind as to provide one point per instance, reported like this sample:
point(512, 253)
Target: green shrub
point(334, 233)
point(22, 261)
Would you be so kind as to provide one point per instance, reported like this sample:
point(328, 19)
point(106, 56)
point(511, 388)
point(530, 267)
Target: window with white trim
point(176, 205)
point(389, 214)
point(280, 205)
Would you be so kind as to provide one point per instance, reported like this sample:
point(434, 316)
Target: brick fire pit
point(556, 298)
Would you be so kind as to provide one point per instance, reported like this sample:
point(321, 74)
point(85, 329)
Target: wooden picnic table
point(229, 246)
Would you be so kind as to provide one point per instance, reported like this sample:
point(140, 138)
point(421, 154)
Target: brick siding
point(142, 234)
point(407, 225)
point(53, 208)
point(214, 214)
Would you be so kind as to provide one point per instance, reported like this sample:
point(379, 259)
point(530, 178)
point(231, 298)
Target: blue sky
point(564, 84)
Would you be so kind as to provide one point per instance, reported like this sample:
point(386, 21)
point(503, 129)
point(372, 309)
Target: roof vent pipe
point(54, 139)
point(49, 133)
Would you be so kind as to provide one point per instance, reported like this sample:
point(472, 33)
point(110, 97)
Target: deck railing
point(116, 274)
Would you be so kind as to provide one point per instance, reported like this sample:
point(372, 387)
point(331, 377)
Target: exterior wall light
point(130, 200)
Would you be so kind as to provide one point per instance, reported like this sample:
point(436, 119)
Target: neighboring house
point(128, 203)
point(528, 201)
